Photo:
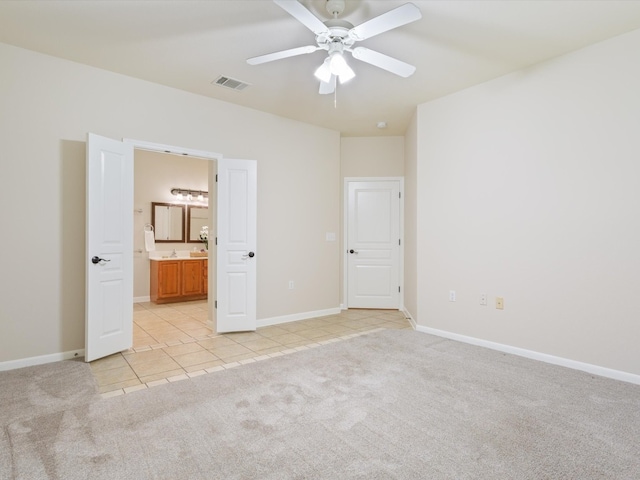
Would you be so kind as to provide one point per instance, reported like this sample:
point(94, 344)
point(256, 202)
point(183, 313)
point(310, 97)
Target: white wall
point(528, 189)
point(48, 105)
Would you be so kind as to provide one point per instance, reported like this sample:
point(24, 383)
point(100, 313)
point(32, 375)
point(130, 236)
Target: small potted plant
point(204, 236)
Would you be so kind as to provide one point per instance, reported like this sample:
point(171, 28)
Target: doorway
point(108, 323)
point(159, 180)
point(373, 258)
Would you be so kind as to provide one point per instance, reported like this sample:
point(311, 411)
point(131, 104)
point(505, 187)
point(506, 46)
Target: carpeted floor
point(395, 404)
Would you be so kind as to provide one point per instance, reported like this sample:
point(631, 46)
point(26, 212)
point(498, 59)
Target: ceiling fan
point(338, 36)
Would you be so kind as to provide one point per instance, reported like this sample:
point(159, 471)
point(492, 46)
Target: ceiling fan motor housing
point(338, 33)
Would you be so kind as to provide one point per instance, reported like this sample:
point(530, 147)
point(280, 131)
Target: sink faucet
point(174, 254)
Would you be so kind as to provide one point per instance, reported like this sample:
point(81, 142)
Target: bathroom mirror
point(197, 217)
point(168, 222)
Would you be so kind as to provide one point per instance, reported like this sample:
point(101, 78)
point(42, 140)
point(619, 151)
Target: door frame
point(189, 152)
point(345, 234)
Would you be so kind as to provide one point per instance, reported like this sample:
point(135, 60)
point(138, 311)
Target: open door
point(236, 249)
point(109, 247)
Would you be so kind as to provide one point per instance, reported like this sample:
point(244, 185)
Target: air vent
point(231, 83)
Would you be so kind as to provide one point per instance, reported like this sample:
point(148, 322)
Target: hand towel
point(149, 241)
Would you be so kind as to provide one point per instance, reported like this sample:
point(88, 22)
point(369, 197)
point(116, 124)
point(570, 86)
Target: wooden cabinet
point(178, 280)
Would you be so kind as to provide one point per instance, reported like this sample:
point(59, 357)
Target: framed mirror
point(168, 222)
point(197, 217)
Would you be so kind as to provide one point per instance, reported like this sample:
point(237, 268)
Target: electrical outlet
point(483, 299)
point(291, 285)
point(452, 295)
point(500, 303)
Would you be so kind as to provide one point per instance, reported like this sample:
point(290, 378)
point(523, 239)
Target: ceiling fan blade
point(328, 87)
point(292, 52)
point(383, 61)
point(397, 17)
point(304, 16)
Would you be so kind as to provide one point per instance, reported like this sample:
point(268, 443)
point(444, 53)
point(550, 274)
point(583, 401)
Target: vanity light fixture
point(190, 195)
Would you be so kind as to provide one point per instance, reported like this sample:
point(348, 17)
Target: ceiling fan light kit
point(337, 36)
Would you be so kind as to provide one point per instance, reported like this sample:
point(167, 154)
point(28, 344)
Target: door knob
point(97, 259)
point(248, 255)
point(353, 251)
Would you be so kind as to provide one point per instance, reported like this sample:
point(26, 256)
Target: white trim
point(40, 360)
point(408, 316)
point(542, 357)
point(345, 232)
point(146, 299)
point(159, 147)
point(297, 316)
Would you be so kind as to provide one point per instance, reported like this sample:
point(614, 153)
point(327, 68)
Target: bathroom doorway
point(164, 178)
point(110, 210)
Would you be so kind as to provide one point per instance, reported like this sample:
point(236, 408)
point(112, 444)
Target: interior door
point(109, 247)
point(236, 249)
point(373, 244)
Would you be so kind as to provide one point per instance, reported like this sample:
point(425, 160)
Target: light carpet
point(395, 404)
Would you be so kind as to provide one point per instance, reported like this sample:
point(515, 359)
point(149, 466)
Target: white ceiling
point(188, 44)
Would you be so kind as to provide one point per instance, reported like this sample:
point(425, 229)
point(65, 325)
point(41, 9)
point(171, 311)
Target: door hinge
point(216, 178)
point(398, 289)
point(399, 242)
point(399, 194)
point(216, 240)
point(216, 304)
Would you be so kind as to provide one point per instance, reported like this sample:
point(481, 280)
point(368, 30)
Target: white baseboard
point(141, 299)
point(542, 357)
point(31, 361)
point(410, 318)
point(265, 322)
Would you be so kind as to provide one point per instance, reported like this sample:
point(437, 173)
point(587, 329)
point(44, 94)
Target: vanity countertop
point(180, 256)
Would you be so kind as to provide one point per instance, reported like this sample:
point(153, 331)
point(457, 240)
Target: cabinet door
point(168, 279)
point(192, 277)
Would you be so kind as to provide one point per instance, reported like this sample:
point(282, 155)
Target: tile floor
point(172, 342)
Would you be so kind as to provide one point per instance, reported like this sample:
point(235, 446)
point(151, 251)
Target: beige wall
point(48, 105)
point(410, 219)
point(528, 189)
point(372, 156)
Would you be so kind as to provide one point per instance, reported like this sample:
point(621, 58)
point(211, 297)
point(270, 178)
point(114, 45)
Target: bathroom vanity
point(178, 279)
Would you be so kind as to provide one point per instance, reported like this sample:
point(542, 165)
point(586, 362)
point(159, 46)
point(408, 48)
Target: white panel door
point(109, 247)
point(236, 249)
point(373, 245)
